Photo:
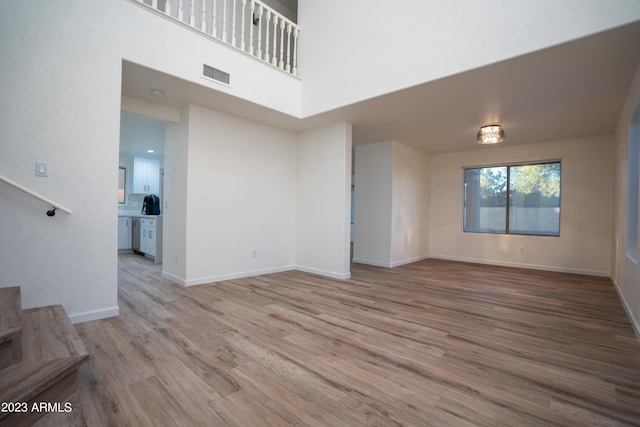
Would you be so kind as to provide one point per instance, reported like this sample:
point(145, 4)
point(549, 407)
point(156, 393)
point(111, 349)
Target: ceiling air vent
point(208, 72)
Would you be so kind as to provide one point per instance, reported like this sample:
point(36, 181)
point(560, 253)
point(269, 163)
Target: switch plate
point(41, 169)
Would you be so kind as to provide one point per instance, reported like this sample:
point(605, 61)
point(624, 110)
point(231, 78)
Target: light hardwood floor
point(431, 343)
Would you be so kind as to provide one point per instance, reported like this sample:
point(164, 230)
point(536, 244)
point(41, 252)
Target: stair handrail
point(54, 205)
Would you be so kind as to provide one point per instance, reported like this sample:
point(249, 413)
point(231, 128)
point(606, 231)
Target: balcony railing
point(247, 25)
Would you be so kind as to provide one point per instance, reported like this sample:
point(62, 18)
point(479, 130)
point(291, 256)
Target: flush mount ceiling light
point(157, 92)
point(492, 134)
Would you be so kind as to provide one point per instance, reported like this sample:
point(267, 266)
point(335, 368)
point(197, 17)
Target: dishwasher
point(135, 235)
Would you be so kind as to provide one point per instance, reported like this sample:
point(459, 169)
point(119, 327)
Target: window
point(121, 182)
point(513, 199)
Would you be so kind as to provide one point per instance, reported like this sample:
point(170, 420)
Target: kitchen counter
point(136, 215)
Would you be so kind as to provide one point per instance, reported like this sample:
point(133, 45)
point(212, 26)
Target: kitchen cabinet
point(148, 236)
point(146, 175)
point(151, 237)
point(124, 232)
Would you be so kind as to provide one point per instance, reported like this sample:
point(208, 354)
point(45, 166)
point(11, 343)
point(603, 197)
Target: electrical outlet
point(176, 256)
point(254, 253)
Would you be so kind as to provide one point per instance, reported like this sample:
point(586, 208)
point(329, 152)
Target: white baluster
point(192, 11)
point(180, 11)
point(214, 20)
point(167, 7)
point(288, 62)
point(242, 25)
point(266, 37)
point(274, 45)
point(154, 4)
point(294, 69)
point(224, 20)
point(252, 8)
point(281, 49)
point(203, 17)
point(259, 51)
point(233, 23)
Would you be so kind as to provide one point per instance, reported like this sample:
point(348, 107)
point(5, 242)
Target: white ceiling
point(572, 90)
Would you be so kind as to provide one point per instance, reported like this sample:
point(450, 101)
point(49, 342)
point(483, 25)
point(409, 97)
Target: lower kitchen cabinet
point(151, 237)
point(124, 232)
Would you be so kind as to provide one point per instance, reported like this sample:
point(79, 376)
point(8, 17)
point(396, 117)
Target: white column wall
point(59, 103)
point(323, 201)
point(174, 209)
point(391, 199)
point(373, 204)
point(410, 205)
point(241, 194)
point(626, 272)
point(584, 245)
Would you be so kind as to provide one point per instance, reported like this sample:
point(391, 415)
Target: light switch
point(41, 169)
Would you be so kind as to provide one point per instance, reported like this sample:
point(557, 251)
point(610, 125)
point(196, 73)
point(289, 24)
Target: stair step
point(52, 351)
point(47, 333)
point(10, 326)
point(51, 381)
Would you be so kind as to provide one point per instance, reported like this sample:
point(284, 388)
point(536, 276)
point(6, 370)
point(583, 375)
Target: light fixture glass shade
point(492, 134)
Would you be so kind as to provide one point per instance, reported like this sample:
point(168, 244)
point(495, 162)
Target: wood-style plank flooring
point(431, 343)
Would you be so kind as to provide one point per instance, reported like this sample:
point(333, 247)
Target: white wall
point(60, 102)
point(391, 224)
point(156, 42)
point(373, 191)
point(241, 194)
point(626, 272)
point(323, 202)
point(174, 221)
point(405, 43)
point(410, 205)
point(584, 245)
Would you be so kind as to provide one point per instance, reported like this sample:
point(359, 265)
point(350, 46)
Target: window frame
point(508, 166)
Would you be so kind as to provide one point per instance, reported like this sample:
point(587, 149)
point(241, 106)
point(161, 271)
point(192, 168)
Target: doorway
point(142, 159)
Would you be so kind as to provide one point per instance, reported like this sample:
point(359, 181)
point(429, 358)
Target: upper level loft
point(247, 25)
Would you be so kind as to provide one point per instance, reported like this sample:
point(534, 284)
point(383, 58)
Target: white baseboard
point(241, 275)
point(389, 264)
point(634, 322)
point(409, 260)
point(230, 276)
point(370, 262)
point(332, 274)
point(523, 265)
point(172, 277)
point(88, 316)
